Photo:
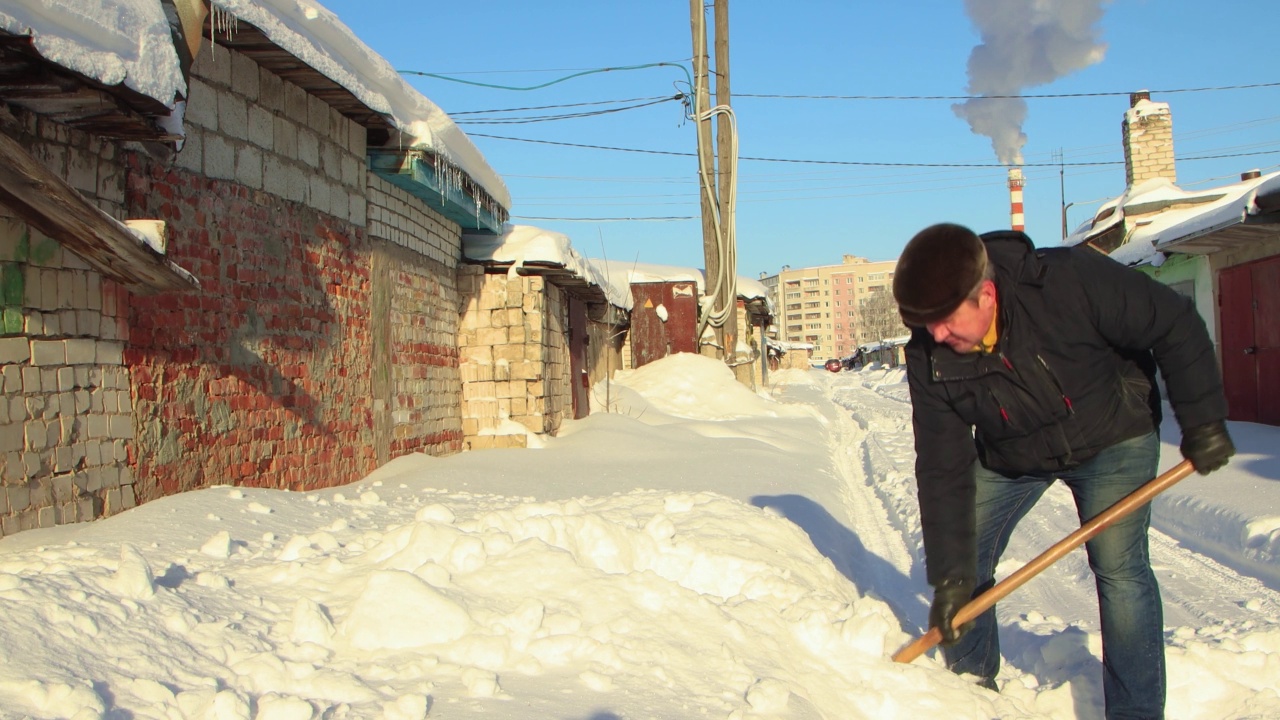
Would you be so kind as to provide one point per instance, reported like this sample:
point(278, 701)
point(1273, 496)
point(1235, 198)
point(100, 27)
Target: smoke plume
point(1024, 43)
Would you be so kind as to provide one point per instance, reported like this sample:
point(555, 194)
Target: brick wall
point(321, 342)
point(65, 412)
point(1147, 134)
point(262, 376)
point(514, 354)
point(415, 323)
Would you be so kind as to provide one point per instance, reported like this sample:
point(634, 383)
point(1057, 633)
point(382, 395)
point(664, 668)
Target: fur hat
point(938, 269)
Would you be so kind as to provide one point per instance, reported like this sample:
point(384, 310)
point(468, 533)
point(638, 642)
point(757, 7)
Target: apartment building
point(835, 308)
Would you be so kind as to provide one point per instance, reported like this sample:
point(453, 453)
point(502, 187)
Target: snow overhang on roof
point(1157, 217)
point(113, 68)
point(753, 294)
point(424, 151)
point(529, 250)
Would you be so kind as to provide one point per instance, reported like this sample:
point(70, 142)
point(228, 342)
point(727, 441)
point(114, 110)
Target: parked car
point(834, 365)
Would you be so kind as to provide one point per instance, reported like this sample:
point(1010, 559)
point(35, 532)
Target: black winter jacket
point(1073, 373)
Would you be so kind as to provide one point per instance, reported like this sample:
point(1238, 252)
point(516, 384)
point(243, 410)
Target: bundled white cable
point(721, 293)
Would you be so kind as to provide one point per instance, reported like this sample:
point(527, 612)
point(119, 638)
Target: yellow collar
point(988, 342)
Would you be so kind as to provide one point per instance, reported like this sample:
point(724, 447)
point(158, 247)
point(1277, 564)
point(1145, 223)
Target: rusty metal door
point(579, 378)
point(664, 320)
point(1249, 303)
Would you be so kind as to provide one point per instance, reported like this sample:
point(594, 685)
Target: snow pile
point(712, 552)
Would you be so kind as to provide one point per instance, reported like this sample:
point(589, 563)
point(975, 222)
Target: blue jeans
point(1128, 597)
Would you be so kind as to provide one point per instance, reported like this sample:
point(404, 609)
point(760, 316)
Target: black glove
point(1207, 446)
point(948, 597)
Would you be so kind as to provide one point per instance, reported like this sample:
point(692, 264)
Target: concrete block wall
point(65, 409)
point(247, 125)
point(514, 356)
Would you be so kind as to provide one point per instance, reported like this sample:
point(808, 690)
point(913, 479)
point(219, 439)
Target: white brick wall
point(60, 345)
point(401, 218)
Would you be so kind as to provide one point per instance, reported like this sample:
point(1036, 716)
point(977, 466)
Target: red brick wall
point(262, 376)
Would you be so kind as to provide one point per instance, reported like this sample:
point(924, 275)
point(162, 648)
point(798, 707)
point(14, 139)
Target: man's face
point(964, 328)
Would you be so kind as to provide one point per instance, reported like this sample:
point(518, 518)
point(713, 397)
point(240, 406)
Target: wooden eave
point(758, 310)
point(1251, 229)
point(253, 43)
point(47, 203)
point(47, 89)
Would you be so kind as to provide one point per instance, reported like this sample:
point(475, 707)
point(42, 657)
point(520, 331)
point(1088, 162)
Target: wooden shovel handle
point(1097, 524)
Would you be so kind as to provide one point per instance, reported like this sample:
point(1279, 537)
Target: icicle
point(221, 20)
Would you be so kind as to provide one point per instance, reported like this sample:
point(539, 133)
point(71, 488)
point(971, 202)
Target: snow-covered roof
point(526, 244)
point(637, 272)
point(521, 244)
point(129, 42)
point(112, 41)
point(1152, 228)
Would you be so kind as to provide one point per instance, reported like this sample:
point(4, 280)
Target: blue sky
point(799, 214)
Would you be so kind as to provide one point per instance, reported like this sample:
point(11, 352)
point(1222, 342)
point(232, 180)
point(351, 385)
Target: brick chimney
point(1148, 140)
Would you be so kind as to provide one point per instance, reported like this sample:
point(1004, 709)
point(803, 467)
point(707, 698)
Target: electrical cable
point(556, 107)
point(1000, 97)
point(566, 116)
point(857, 163)
point(669, 218)
point(551, 82)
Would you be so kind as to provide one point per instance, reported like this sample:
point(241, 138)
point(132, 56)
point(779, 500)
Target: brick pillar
point(1148, 140)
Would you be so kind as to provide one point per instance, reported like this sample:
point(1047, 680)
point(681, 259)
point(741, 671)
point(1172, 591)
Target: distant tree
point(880, 318)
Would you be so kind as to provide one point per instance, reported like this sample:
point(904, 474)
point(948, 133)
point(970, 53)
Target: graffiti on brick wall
point(261, 376)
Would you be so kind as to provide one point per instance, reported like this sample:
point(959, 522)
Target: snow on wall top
point(520, 244)
point(129, 42)
point(112, 41)
point(1145, 108)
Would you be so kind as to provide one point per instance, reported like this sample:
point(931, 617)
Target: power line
point(556, 107)
point(610, 219)
point(1000, 97)
point(550, 82)
point(859, 163)
point(566, 116)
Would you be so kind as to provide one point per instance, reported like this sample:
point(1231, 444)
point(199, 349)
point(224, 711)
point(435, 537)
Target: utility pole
point(724, 183)
point(706, 161)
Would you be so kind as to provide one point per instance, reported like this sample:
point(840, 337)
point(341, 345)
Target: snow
point(129, 41)
point(1189, 214)
point(113, 41)
point(520, 244)
point(691, 549)
point(625, 274)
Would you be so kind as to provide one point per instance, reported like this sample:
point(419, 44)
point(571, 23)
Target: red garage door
point(1249, 299)
point(663, 321)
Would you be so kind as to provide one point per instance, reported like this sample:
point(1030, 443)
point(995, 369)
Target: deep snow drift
point(692, 550)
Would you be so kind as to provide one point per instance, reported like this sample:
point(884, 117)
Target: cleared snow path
point(1049, 626)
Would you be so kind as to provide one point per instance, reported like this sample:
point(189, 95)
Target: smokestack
point(1015, 199)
